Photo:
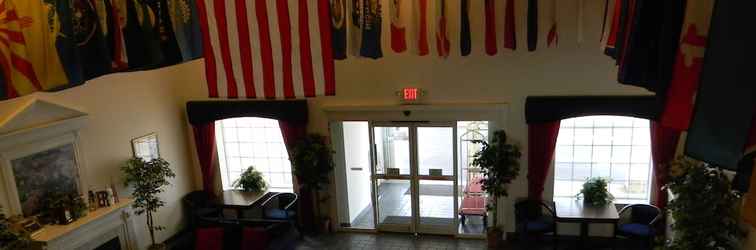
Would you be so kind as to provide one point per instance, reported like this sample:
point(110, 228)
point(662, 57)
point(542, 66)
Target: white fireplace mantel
point(93, 230)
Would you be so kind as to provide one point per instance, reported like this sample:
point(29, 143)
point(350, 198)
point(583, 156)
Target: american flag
point(267, 49)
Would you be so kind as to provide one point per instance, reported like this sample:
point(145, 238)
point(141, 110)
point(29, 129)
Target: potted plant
point(251, 180)
point(499, 162)
point(595, 192)
point(11, 239)
point(312, 160)
point(704, 207)
point(148, 179)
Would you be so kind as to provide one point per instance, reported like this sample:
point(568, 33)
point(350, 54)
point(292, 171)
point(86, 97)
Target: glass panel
point(435, 150)
point(392, 149)
point(394, 202)
point(436, 203)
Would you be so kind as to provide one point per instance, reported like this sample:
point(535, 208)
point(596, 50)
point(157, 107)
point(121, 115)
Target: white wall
point(357, 155)
point(122, 107)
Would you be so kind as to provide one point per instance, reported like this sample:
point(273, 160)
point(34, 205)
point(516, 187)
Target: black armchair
point(642, 223)
point(199, 204)
point(281, 206)
point(535, 217)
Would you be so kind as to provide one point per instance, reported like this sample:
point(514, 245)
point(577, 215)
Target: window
point(614, 147)
point(248, 141)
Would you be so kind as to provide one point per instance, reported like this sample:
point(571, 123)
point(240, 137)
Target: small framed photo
point(146, 147)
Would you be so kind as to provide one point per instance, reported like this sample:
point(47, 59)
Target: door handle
point(355, 169)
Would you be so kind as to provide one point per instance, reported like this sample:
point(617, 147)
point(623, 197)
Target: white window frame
point(637, 124)
point(229, 135)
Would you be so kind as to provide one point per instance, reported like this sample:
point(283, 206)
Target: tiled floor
point(388, 241)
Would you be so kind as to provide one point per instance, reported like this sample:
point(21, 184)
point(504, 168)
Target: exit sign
point(410, 95)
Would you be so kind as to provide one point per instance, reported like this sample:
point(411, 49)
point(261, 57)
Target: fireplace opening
point(114, 244)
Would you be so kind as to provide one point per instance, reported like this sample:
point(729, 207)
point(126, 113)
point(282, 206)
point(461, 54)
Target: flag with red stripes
point(267, 49)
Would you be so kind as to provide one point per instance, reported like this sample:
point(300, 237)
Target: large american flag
point(267, 49)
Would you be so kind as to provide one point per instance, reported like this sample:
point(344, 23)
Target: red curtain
point(542, 139)
point(663, 146)
point(292, 133)
point(204, 139)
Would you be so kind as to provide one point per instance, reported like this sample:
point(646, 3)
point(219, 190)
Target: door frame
point(495, 113)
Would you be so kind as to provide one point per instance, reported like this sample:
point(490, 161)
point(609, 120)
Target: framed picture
point(146, 147)
point(35, 170)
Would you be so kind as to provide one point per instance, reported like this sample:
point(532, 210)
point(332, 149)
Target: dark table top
point(239, 199)
point(572, 210)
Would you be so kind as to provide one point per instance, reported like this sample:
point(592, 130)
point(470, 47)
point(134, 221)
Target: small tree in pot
point(499, 162)
point(148, 180)
point(312, 159)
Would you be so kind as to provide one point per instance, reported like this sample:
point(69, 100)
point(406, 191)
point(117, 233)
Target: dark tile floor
point(390, 241)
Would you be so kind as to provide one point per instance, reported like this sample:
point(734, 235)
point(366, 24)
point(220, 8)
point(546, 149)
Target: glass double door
point(415, 177)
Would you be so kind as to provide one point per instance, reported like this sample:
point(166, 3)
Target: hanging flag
point(553, 37)
point(510, 29)
point(681, 94)
point(270, 49)
point(610, 48)
point(398, 25)
point(163, 27)
point(338, 29)
point(115, 20)
point(371, 29)
point(422, 27)
point(185, 20)
point(465, 43)
point(532, 25)
point(142, 42)
point(490, 22)
point(355, 27)
point(442, 33)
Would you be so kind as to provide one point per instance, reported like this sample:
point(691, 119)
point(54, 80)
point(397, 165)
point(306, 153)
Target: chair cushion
point(279, 214)
point(255, 238)
point(209, 238)
point(635, 229)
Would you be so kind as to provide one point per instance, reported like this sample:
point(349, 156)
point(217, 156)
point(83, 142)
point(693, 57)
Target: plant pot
point(325, 225)
point(494, 238)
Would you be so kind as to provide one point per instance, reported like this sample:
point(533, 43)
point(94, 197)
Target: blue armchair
point(642, 223)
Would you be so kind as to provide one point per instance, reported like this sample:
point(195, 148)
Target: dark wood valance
point(542, 109)
point(201, 112)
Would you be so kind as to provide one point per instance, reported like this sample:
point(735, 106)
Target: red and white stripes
point(267, 49)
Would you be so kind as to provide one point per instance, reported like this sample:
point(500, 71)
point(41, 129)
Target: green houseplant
point(499, 162)
point(312, 160)
point(595, 191)
point(251, 180)
point(148, 179)
point(704, 207)
point(10, 239)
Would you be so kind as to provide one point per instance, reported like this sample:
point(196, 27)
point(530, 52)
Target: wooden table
point(576, 211)
point(239, 200)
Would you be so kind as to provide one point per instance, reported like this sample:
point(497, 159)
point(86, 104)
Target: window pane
point(254, 142)
point(604, 146)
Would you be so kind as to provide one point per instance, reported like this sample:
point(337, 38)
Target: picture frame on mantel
point(146, 147)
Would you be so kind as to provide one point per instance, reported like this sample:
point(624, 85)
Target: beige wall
point(122, 107)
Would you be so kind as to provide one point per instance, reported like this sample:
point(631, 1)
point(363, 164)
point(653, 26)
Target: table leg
point(583, 235)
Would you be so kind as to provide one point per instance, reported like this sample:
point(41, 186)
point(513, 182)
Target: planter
point(158, 247)
point(494, 238)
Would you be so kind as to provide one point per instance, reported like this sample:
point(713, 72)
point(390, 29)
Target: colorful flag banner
point(532, 25)
point(268, 49)
point(421, 24)
point(510, 28)
point(399, 21)
point(54, 45)
point(681, 94)
point(443, 45)
point(371, 29)
point(338, 29)
point(465, 43)
point(552, 39)
point(490, 31)
point(355, 27)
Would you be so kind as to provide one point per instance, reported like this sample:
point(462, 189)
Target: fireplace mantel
point(93, 230)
